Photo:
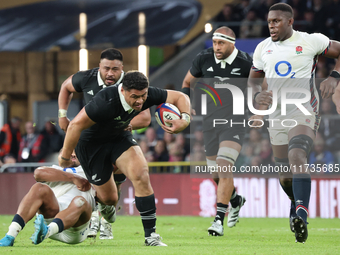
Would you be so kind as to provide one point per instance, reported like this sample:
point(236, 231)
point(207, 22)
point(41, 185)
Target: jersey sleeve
point(195, 69)
point(257, 58)
point(98, 109)
point(319, 42)
point(77, 81)
point(156, 96)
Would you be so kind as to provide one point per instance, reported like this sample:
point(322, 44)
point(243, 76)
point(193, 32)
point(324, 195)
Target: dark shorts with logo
point(97, 159)
point(213, 137)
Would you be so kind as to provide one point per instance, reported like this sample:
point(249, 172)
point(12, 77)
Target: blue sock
point(301, 189)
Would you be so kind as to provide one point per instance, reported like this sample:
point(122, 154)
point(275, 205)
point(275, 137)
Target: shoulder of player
point(152, 89)
point(206, 53)
point(109, 94)
point(264, 43)
point(244, 56)
point(307, 37)
point(88, 73)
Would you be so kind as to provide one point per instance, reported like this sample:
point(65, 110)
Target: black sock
point(147, 209)
point(235, 199)
point(60, 224)
point(301, 189)
point(221, 211)
point(18, 219)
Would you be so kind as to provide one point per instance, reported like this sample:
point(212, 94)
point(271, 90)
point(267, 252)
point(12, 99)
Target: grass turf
point(188, 235)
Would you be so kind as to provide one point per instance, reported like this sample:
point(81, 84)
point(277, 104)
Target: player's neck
point(289, 35)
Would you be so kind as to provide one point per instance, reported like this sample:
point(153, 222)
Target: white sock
point(53, 229)
point(14, 229)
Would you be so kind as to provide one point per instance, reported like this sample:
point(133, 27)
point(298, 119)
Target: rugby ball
point(165, 112)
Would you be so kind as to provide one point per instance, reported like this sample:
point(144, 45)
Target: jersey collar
point(101, 82)
point(125, 105)
point(229, 59)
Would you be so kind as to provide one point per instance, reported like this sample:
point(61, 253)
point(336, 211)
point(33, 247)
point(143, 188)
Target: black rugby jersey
point(87, 82)
point(211, 73)
point(111, 119)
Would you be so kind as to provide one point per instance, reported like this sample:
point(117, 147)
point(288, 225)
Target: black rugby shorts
point(97, 158)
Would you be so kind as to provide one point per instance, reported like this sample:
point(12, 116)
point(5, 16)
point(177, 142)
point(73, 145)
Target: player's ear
point(290, 21)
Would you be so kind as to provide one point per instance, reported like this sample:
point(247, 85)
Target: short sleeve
point(98, 108)
point(257, 58)
point(156, 96)
point(195, 69)
point(77, 81)
point(319, 42)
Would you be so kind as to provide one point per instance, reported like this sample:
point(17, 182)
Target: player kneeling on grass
point(64, 201)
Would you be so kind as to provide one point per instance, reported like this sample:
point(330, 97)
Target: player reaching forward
point(287, 60)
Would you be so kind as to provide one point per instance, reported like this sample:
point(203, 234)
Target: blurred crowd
point(31, 147)
point(248, 19)
point(310, 16)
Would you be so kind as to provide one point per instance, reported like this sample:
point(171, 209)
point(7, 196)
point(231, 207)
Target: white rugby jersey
point(291, 64)
point(61, 188)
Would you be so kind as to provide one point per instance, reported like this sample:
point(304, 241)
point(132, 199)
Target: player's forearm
point(64, 98)
point(71, 139)
point(336, 95)
point(182, 103)
point(186, 83)
point(142, 120)
point(255, 85)
point(47, 174)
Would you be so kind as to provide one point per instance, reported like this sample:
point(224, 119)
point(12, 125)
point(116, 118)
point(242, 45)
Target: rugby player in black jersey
point(106, 142)
point(90, 82)
point(221, 64)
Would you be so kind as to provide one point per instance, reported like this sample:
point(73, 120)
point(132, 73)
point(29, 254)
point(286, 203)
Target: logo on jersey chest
point(298, 50)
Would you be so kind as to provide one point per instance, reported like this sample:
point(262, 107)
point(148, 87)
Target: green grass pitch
point(188, 235)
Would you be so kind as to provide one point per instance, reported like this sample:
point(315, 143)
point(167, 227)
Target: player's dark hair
point(282, 7)
point(111, 54)
point(135, 80)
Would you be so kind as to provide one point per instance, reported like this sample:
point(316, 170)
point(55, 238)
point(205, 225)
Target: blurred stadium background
point(39, 48)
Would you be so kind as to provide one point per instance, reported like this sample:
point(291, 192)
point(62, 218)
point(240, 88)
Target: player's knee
point(40, 189)
point(226, 155)
point(79, 201)
point(299, 145)
point(141, 176)
point(297, 156)
point(109, 199)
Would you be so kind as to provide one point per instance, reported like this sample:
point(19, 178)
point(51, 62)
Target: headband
point(223, 37)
